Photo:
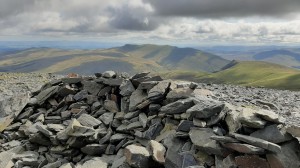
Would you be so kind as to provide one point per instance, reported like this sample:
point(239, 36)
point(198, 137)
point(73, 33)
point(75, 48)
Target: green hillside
point(131, 58)
point(251, 73)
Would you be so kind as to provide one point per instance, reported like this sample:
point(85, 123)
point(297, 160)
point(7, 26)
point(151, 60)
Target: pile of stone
point(113, 120)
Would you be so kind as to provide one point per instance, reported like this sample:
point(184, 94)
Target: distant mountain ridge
point(132, 58)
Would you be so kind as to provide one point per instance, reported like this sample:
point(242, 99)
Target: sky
point(194, 22)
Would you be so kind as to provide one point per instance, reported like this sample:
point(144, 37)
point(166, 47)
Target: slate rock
point(94, 149)
point(153, 131)
point(185, 125)
point(204, 109)
point(117, 137)
point(257, 142)
point(244, 148)
point(143, 119)
point(66, 90)
point(80, 95)
point(251, 161)
point(137, 156)
point(177, 107)
point(288, 157)
point(88, 120)
point(272, 134)
point(40, 139)
point(126, 88)
point(157, 151)
point(46, 94)
point(248, 117)
point(111, 106)
point(107, 118)
point(201, 139)
point(268, 116)
point(109, 74)
point(159, 91)
point(137, 97)
point(293, 130)
point(95, 162)
point(232, 118)
point(179, 93)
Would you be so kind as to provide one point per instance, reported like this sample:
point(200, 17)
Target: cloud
point(154, 20)
point(224, 8)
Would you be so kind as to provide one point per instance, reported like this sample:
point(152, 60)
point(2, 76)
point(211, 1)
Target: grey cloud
point(14, 7)
point(224, 8)
point(132, 18)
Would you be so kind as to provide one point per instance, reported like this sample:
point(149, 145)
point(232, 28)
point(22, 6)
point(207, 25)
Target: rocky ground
point(112, 120)
point(284, 102)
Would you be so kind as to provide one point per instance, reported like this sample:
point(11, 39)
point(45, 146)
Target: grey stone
point(66, 165)
point(148, 85)
point(110, 149)
point(248, 117)
point(232, 118)
point(137, 97)
point(104, 91)
point(94, 149)
point(180, 93)
point(224, 139)
point(201, 139)
point(143, 119)
point(219, 131)
point(157, 151)
point(268, 116)
point(80, 95)
point(95, 162)
point(175, 159)
point(204, 109)
point(272, 134)
point(177, 107)
point(111, 106)
point(153, 131)
point(288, 157)
point(244, 148)
point(117, 137)
point(113, 82)
point(257, 142)
point(185, 126)
point(40, 139)
point(55, 127)
point(293, 130)
point(140, 75)
point(107, 118)
point(137, 156)
point(75, 129)
point(119, 162)
point(46, 94)
point(199, 123)
point(92, 87)
point(131, 115)
point(109, 74)
point(88, 120)
point(43, 129)
point(134, 125)
point(159, 91)
point(126, 88)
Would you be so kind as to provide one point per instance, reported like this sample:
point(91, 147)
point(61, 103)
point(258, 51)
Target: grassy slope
point(142, 57)
point(249, 73)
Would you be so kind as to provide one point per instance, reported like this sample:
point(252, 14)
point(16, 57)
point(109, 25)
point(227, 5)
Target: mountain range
point(261, 68)
point(130, 58)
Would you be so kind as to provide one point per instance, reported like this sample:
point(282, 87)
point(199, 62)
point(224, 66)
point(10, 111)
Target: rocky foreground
point(113, 120)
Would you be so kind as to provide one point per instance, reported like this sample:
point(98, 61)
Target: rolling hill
point(283, 57)
point(130, 58)
point(249, 73)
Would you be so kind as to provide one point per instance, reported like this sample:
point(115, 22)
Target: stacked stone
point(113, 120)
